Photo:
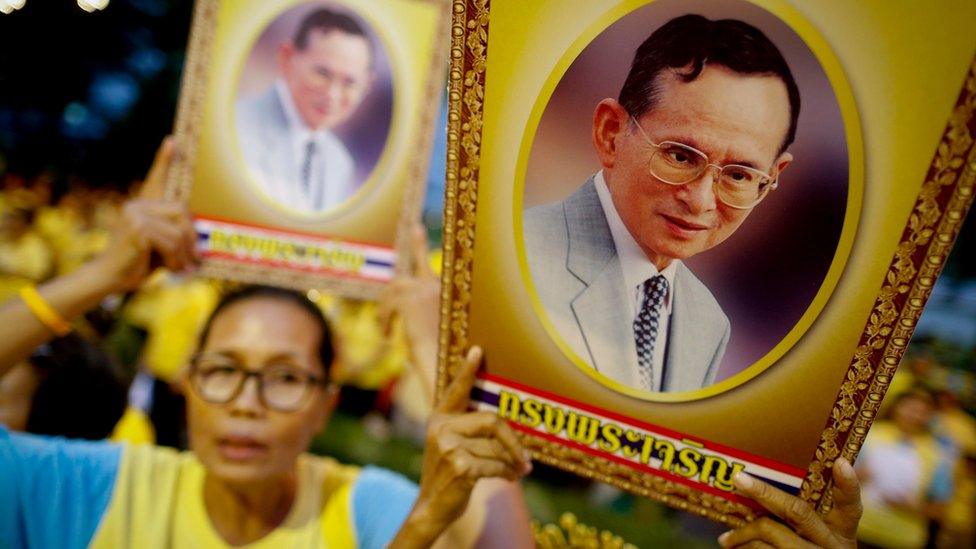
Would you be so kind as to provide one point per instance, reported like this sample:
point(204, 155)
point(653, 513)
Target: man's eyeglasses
point(739, 187)
point(219, 380)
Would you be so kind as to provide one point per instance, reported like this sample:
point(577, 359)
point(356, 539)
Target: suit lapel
point(690, 351)
point(592, 258)
point(609, 336)
point(281, 160)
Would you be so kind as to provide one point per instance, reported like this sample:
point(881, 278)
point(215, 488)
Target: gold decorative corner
point(571, 533)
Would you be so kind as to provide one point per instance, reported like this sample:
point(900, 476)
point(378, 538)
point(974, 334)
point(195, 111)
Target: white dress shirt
point(637, 268)
point(331, 173)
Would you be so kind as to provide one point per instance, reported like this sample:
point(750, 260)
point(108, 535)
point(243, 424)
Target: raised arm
point(149, 230)
point(461, 449)
point(497, 515)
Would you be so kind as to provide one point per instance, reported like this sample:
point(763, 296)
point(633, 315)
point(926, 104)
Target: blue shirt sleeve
point(54, 491)
point(381, 501)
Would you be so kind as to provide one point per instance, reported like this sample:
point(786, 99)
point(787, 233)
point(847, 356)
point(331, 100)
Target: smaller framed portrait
point(687, 234)
point(307, 127)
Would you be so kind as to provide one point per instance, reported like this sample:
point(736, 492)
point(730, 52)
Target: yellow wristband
point(44, 312)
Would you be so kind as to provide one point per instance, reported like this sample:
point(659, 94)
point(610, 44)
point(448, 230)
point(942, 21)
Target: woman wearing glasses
point(258, 390)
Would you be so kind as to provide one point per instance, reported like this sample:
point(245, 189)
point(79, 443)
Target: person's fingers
point(762, 532)
point(470, 467)
point(140, 242)
point(456, 396)
point(167, 241)
point(418, 250)
point(473, 424)
point(845, 515)
point(756, 545)
point(184, 222)
point(797, 513)
point(488, 448)
point(166, 210)
point(461, 430)
point(155, 184)
point(190, 238)
point(389, 302)
point(507, 437)
point(485, 425)
point(181, 254)
point(167, 216)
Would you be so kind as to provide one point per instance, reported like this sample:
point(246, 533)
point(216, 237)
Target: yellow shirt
point(71, 493)
point(158, 503)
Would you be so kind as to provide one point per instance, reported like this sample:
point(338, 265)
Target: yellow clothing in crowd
point(172, 310)
point(900, 474)
point(368, 359)
point(134, 427)
point(65, 231)
point(27, 259)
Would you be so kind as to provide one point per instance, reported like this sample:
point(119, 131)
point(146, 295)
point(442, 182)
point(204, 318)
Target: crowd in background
point(918, 464)
point(145, 339)
point(917, 467)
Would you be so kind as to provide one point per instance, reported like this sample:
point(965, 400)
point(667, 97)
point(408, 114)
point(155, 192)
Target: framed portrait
point(307, 127)
point(693, 237)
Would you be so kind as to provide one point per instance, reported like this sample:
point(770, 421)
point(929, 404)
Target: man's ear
point(609, 120)
point(782, 162)
point(285, 52)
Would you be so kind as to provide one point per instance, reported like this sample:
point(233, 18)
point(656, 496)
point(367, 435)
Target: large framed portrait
point(307, 127)
point(694, 236)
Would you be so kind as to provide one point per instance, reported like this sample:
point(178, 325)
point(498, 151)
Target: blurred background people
point(67, 373)
point(74, 142)
point(906, 475)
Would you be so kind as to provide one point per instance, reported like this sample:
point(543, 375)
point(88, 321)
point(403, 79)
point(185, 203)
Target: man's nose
point(699, 194)
point(336, 92)
point(248, 401)
point(331, 88)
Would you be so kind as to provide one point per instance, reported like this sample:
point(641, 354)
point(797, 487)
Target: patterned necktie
point(654, 289)
point(307, 167)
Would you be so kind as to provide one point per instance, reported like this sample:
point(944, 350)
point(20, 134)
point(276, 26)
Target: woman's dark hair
point(695, 40)
point(82, 393)
point(326, 350)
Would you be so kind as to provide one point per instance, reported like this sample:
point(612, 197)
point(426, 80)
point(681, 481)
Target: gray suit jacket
point(268, 147)
point(570, 251)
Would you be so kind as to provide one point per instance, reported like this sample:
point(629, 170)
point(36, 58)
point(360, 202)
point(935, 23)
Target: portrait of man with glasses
point(694, 142)
point(287, 132)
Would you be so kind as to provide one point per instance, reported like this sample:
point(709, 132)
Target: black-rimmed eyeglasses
point(284, 388)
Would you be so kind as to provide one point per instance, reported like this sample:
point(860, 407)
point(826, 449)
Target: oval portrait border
point(373, 182)
point(855, 148)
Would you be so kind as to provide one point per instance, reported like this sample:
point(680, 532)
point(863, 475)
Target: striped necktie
point(654, 290)
point(307, 167)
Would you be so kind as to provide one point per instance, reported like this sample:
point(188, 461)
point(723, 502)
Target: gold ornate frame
point(942, 205)
point(187, 134)
point(936, 218)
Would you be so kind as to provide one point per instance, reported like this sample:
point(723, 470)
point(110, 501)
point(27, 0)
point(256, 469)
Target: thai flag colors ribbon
point(295, 251)
point(647, 448)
